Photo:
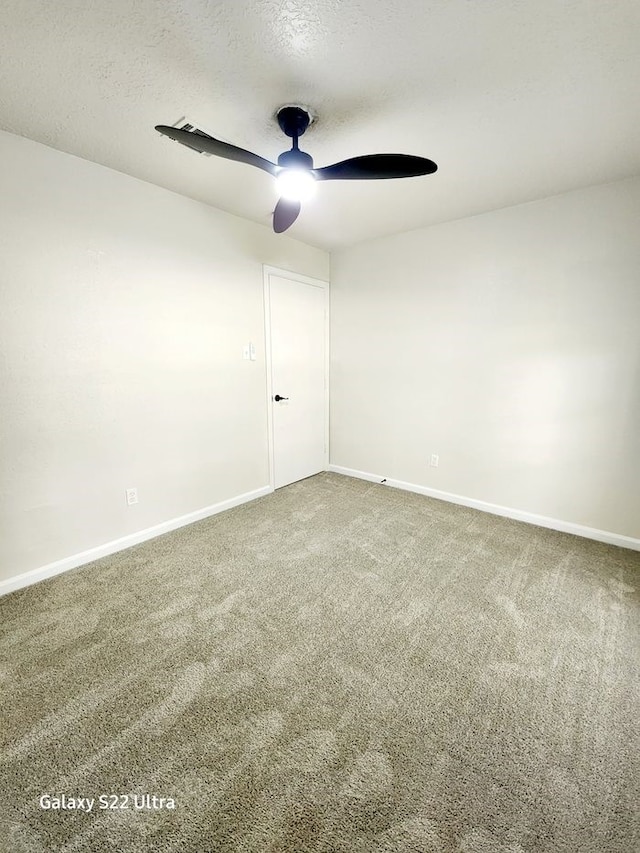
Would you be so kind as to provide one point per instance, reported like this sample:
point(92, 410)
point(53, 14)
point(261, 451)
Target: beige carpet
point(338, 667)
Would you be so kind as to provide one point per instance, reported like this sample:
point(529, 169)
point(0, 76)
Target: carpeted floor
point(339, 667)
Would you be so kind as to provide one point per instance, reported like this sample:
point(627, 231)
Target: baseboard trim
point(494, 509)
point(60, 566)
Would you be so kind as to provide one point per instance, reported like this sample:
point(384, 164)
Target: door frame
point(267, 271)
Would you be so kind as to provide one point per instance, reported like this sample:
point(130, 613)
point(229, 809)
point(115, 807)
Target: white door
point(297, 335)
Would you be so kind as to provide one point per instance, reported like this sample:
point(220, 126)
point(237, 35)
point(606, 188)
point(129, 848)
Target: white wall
point(124, 309)
point(507, 343)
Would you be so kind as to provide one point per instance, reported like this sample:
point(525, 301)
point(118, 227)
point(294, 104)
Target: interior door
point(297, 328)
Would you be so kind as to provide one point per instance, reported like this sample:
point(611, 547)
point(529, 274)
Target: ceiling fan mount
point(294, 172)
point(293, 120)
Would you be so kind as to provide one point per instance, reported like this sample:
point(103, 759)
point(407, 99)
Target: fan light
point(296, 184)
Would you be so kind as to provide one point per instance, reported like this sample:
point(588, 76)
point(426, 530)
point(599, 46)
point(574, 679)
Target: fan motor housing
point(295, 159)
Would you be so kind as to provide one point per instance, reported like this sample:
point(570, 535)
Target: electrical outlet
point(435, 460)
point(132, 496)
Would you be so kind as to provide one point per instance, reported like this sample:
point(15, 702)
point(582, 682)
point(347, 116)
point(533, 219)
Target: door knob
point(277, 398)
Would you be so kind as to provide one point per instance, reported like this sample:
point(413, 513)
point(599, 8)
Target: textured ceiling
point(515, 100)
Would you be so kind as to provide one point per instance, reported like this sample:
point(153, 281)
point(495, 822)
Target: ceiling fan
point(294, 172)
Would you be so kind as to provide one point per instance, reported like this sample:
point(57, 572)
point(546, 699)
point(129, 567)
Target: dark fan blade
point(204, 142)
point(285, 214)
point(376, 167)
